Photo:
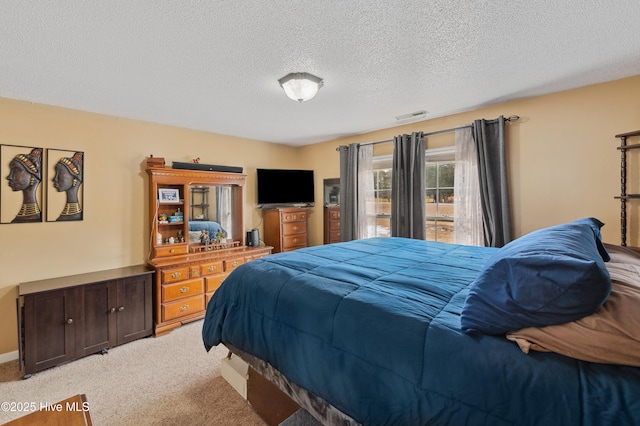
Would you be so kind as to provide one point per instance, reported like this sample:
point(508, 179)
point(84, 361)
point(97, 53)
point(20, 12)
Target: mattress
point(372, 327)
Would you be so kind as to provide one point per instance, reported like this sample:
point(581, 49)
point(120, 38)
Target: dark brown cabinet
point(66, 318)
point(50, 328)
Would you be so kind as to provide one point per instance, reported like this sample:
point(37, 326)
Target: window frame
point(384, 162)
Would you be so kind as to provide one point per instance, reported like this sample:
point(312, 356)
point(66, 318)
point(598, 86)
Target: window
point(439, 199)
point(380, 216)
point(439, 196)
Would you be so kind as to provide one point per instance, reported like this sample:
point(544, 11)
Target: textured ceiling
point(213, 65)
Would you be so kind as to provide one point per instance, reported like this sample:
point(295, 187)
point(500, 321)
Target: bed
point(197, 226)
point(385, 331)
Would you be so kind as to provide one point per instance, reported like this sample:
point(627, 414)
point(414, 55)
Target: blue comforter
point(373, 327)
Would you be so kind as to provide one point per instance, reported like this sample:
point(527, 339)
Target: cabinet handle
point(176, 275)
point(121, 308)
point(295, 240)
point(184, 308)
point(112, 310)
point(70, 321)
point(234, 264)
point(295, 227)
point(212, 268)
point(184, 289)
point(172, 251)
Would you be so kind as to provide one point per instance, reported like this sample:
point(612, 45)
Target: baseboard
point(9, 356)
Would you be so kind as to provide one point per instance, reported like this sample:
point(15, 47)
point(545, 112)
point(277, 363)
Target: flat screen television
point(285, 187)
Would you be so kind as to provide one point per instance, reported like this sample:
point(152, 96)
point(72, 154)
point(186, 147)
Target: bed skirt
point(324, 412)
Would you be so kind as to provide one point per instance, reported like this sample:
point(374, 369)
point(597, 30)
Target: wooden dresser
point(285, 229)
point(189, 271)
point(185, 284)
point(332, 224)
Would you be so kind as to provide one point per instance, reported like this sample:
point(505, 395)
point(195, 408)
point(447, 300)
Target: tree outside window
point(439, 196)
point(439, 200)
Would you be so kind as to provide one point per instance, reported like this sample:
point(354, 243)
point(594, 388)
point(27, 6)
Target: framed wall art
point(65, 186)
point(21, 192)
point(168, 195)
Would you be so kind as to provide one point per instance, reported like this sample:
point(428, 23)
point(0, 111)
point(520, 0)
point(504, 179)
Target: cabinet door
point(134, 308)
point(99, 327)
point(50, 328)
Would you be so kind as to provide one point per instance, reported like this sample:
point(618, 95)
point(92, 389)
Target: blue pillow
point(549, 276)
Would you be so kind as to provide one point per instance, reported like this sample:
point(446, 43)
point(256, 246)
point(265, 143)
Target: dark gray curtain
point(408, 186)
point(494, 192)
point(349, 192)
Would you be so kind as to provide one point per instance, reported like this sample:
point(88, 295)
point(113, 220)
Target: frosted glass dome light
point(301, 86)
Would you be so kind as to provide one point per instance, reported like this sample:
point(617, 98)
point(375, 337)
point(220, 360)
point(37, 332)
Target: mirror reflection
point(211, 210)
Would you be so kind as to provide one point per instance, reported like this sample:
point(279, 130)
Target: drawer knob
point(112, 310)
point(70, 321)
point(184, 289)
point(176, 275)
point(184, 308)
point(212, 268)
point(172, 251)
point(121, 308)
point(234, 264)
point(295, 240)
point(295, 227)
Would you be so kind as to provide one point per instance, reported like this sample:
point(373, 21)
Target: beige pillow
point(612, 334)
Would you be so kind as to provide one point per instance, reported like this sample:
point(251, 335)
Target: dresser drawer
point(171, 250)
point(194, 271)
point(257, 256)
point(335, 236)
point(294, 241)
point(231, 264)
point(294, 228)
point(183, 289)
point(182, 307)
point(211, 268)
point(298, 216)
point(334, 225)
point(212, 283)
point(175, 274)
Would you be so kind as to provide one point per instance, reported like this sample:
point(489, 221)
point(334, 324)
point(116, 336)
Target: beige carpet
point(169, 380)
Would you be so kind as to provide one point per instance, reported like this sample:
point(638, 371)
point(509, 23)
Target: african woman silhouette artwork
point(68, 178)
point(25, 174)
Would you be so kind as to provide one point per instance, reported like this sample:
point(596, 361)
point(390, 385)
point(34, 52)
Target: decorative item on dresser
point(192, 256)
point(66, 318)
point(331, 224)
point(285, 228)
point(625, 197)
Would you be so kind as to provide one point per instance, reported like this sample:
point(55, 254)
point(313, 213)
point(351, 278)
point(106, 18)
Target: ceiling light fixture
point(301, 86)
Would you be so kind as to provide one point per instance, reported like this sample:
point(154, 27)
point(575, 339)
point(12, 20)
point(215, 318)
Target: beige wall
point(562, 157)
point(562, 164)
point(115, 228)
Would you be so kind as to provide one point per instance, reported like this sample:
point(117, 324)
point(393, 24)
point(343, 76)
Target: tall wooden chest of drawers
point(332, 224)
point(285, 229)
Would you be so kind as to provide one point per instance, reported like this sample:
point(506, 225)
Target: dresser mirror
point(211, 209)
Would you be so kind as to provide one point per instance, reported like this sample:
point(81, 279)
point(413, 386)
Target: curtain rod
point(437, 132)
